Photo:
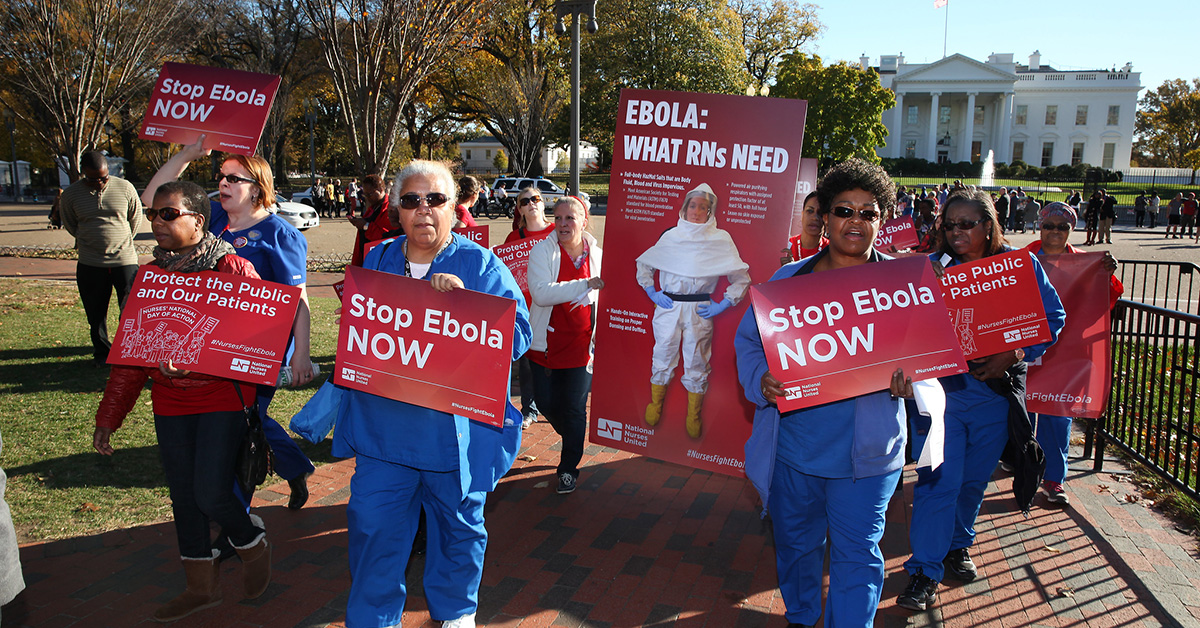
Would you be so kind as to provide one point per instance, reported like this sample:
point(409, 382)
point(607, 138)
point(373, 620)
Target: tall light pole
point(310, 114)
point(10, 120)
point(575, 9)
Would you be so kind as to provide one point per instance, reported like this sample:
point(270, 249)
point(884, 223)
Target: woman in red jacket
point(198, 418)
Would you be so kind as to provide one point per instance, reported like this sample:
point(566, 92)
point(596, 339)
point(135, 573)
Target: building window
point(978, 114)
point(468, 154)
point(1047, 154)
point(1076, 153)
point(1081, 115)
point(489, 153)
point(976, 151)
point(910, 149)
point(1021, 115)
point(1051, 115)
point(912, 115)
point(1018, 151)
point(1114, 115)
point(1110, 151)
point(944, 114)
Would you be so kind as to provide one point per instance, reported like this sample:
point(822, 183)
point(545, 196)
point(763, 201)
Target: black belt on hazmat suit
point(703, 296)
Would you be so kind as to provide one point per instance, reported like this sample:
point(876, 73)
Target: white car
point(297, 215)
point(513, 186)
point(304, 196)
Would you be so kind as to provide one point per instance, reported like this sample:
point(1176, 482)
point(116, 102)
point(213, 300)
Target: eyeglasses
point(413, 201)
point(1060, 226)
point(868, 215)
point(962, 225)
point(233, 178)
point(100, 180)
point(529, 200)
point(168, 213)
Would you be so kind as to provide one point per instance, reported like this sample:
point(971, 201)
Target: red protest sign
point(212, 323)
point(478, 234)
point(230, 106)
point(448, 351)
point(995, 304)
point(1073, 377)
point(515, 255)
point(897, 234)
point(828, 336)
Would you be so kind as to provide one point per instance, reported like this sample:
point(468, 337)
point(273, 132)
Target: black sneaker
point(566, 483)
point(920, 594)
point(958, 564)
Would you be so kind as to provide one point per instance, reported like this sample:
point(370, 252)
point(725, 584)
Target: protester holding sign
point(690, 258)
point(979, 408)
point(810, 236)
point(280, 254)
point(1054, 432)
point(529, 221)
point(564, 281)
point(198, 418)
point(410, 457)
point(826, 473)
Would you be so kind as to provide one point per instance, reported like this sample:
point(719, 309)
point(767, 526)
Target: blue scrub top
point(277, 249)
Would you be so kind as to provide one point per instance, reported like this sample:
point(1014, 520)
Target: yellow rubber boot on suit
point(695, 400)
point(654, 408)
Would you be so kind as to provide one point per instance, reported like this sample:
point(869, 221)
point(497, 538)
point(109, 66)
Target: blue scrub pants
point(384, 509)
point(806, 511)
point(946, 501)
point(290, 461)
point(1054, 435)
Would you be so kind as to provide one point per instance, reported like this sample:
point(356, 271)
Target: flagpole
point(946, 30)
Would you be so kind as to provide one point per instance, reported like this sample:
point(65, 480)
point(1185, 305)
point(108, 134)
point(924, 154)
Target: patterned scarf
point(201, 258)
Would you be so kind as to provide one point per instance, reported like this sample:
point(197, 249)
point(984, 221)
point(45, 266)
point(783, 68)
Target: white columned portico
point(1004, 150)
point(964, 152)
point(933, 119)
point(898, 127)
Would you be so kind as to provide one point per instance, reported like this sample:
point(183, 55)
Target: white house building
point(477, 155)
point(958, 109)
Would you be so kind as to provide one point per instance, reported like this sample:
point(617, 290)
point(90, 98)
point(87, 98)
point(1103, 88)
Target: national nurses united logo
point(167, 331)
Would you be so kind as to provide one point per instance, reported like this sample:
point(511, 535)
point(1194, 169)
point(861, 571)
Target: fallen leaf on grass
point(1066, 592)
point(87, 507)
point(528, 458)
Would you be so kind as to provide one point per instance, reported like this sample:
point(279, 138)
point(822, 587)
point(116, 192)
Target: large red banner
point(1073, 377)
point(995, 304)
point(230, 106)
point(212, 323)
point(401, 339)
point(744, 153)
point(515, 255)
point(842, 333)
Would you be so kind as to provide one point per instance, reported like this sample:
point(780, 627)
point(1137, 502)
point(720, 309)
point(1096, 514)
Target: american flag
point(937, 4)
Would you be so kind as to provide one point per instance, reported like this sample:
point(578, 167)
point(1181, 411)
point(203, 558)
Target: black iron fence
point(1170, 285)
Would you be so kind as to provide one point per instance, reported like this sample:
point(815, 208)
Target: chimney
point(864, 62)
point(1035, 60)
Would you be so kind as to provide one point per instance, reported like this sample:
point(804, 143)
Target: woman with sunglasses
point(1054, 432)
point(946, 501)
point(198, 418)
point(410, 457)
point(280, 254)
point(826, 473)
point(529, 221)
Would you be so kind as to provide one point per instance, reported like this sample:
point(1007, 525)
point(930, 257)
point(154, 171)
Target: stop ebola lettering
point(384, 346)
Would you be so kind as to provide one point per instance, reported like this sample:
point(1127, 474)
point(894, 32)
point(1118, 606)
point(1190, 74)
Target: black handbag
point(254, 459)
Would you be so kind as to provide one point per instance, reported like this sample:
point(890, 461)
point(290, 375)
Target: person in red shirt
point(564, 280)
point(529, 221)
point(808, 230)
point(1187, 217)
point(468, 195)
point(374, 222)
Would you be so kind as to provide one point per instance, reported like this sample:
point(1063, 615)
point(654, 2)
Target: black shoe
point(920, 594)
point(958, 564)
point(299, 491)
point(795, 625)
point(566, 483)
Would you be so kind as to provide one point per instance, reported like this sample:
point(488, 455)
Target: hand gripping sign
point(842, 333)
point(447, 351)
point(230, 106)
point(995, 304)
point(212, 323)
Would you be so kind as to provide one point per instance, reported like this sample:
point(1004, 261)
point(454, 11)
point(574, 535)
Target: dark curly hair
point(856, 174)
point(987, 210)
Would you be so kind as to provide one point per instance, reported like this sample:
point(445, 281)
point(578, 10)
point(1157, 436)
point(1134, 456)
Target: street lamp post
point(575, 9)
point(310, 114)
point(11, 122)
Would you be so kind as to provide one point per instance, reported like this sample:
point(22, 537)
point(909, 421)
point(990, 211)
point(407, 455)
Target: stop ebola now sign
point(212, 323)
point(995, 304)
point(897, 234)
point(449, 351)
point(841, 333)
point(230, 106)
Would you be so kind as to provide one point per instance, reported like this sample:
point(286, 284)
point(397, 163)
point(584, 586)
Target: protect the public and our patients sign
point(230, 106)
point(995, 304)
point(449, 351)
point(212, 323)
point(842, 333)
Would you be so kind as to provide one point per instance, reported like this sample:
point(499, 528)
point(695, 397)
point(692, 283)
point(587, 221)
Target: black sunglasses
point(168, 213)
point(868, 215)
point(529, 200)
point(413, 201)
point(233, 178)
point(962, 225)
point(1061, 226)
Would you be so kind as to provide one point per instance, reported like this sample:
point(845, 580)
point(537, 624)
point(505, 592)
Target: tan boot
point(695, 400)
point(654, 409)
point(203, 590)
point(256, 561)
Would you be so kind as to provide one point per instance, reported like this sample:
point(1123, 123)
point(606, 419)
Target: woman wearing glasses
point(529, 221)
point(826, 473)
point(280, 254)
point(199, 448)
point(946, 501)
point(1054, 432)
point(410, 457)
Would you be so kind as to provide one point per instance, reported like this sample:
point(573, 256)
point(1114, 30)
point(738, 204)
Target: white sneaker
point(466, 621)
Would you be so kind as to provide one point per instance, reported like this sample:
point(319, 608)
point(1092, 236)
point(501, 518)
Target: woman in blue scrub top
point(826, 473)
point(946, 501)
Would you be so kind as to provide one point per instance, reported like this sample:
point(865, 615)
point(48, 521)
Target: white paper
point(931, 402)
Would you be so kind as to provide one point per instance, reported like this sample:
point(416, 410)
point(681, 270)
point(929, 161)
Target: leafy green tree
point(845, 107)
point(772, 29)
point(500, 161)
point(1168, 124)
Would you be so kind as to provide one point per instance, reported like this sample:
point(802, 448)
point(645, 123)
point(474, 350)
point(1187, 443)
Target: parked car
point(513, 186)
point(304, 196)
point(298, 215)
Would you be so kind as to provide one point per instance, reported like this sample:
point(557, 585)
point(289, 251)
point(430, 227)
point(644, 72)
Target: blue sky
point(1071, 34)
